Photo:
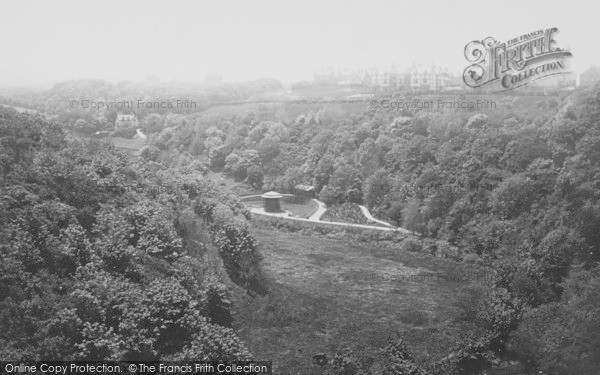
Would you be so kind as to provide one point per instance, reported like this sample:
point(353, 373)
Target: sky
point(43, 42)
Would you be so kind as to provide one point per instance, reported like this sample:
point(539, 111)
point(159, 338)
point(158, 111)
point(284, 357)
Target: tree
point(255, 176)
point(376, 188)
point(153, 123)
point(563, 337)
point(100, 252)
point(370, 157)
point(268, 149)
point(412, 219)
point(478, 121)
point(345, 185)
point(512, 197)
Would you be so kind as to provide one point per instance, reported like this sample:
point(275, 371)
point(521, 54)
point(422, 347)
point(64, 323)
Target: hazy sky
point(42, 42)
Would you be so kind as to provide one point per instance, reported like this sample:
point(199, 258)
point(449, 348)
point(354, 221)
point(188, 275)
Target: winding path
point(140, 134)
point(370, 217)
point(316, 217)
point(319, 212)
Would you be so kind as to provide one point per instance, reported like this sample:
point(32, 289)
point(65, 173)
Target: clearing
point(327, 294)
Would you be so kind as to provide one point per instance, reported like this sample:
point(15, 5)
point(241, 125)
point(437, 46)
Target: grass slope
point(324, 296)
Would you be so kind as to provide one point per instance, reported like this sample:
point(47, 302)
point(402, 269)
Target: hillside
point(511, 187)
point(104, 257)
point(328, 294)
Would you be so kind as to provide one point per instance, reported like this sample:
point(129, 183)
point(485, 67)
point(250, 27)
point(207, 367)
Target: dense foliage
point(87, 106)
point(108, 256)
point(92, 239)
point(514, 187)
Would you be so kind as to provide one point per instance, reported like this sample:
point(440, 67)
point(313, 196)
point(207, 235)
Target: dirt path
point(319, 212)
point(316, 217)
point(140, 134)
point(370, 217)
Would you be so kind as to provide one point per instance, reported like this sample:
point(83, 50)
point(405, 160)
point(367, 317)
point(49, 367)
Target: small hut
point(272, 201)
point(305, 190)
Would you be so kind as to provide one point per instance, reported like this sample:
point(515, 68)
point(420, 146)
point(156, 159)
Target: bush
point(470, 356)
point(348, 212)
point(562, 337)
point(447, 251)
point(399, 360)
point(411, 245)
point(345, 362)
point(500, 315)
point(215, 343)
point(237, 248)
point(217, 304)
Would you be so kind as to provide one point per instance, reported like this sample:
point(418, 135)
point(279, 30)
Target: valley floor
point(327, 294)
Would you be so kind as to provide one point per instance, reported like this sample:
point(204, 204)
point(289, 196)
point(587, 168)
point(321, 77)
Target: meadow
point(326, 294)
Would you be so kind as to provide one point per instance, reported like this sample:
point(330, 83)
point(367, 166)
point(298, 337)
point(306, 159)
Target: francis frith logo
point(515, 63)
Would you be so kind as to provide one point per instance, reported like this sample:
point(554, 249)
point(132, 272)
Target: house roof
point(593, 70)
point(305, 187)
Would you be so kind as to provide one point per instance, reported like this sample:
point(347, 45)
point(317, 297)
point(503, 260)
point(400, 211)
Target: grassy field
point(132, 145)
point(299, 206)
point(327, 294)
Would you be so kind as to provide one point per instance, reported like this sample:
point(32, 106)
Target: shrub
point(447, 251)
point(470, 356)
point(217, 304)
point(501, 314)
point(562, 337)
point(215, 343)
point(411, 245)
point(399, 360)
point(237, 248)
point(345, 362)
point(349, 212)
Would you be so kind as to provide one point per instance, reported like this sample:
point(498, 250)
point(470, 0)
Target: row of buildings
point(416, 77)
point(429, 77)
